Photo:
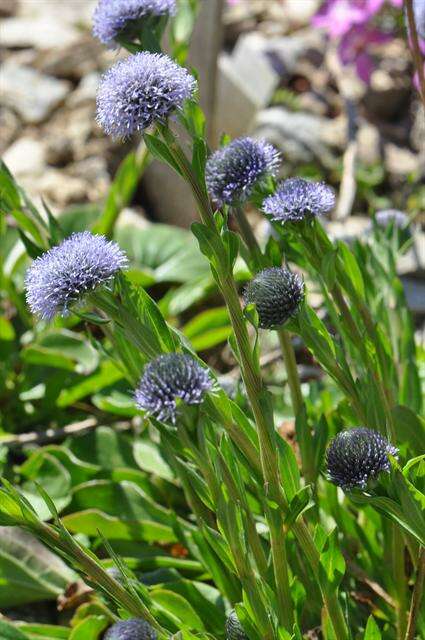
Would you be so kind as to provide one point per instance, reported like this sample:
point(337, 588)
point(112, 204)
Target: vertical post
point(169, 196)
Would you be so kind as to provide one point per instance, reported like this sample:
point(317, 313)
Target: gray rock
point(42, 33)
point(298, 135)
point(26, 156)
point(9, 127)
point(32, 95)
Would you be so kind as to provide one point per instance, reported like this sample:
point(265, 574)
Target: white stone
point(42, 33)
point(25, 156)
point(31, 94)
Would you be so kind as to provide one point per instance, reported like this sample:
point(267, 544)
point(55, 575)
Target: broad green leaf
point(149, 458)
point(91, 521)
point(90, 628)
point(29, 572)
point(173, 603)
point(9, 632)
point(44, 631)
point(372, 630)
point(332, 563)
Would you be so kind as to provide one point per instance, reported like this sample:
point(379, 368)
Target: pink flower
point(338, 16)
point(354, 48)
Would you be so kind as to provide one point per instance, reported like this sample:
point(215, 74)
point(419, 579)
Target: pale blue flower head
point(139, 91)
point(386, 217)
point(356, 456)
point(112, 17)
point(234, 170)
point(62, 276)
point(296, 199)
point(168, 378)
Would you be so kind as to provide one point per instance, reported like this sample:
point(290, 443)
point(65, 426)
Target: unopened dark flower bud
point(234, 630)
point(296, 199)
point(277, 294)
point(131, 629)
point(166, 379)
point(356, 456)
point(234, 170)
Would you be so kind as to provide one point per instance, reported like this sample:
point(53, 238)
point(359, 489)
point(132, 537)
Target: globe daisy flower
point(296, 199)
point(140, 91)
point(356, 456)
point(233, 171)
point(111, 18)
point(62, 276)
point(169, 378)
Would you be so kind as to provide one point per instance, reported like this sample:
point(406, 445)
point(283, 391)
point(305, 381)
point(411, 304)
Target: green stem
point(265, 427)
point(417, 594)
point(260, 261)
point(399, 580)
point(98, 575)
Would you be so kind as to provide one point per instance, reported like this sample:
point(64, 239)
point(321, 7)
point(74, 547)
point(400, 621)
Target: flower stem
point(260, 261)
point(399, 580)
point(417, 594)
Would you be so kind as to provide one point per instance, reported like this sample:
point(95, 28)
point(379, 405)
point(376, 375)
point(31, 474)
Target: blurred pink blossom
point(354, 48)
point(337, 17)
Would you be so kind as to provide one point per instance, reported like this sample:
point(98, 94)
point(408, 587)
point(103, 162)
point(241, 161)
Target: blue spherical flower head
point(277, 294)
point(297, 199)
point(232, 172)
point(139, 91)
point(386, 217)
point(63, 275)
point(112, 17)
point(168, 378)
point(131, 629)
point(356, 456)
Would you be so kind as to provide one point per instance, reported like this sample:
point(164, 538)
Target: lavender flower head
point(356, 456)
point(131, 629)
point(170, 377)
point(112, 17)
point(137, 92)
point(391, 216)
point(233, 171)
point(296, 199)
point(63, 275)
point(277, 294)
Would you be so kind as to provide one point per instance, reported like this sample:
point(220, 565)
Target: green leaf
point(332, 563)
point(62, 349)
point(410, 428)
point(44, 631)
point(29, 571)
point(160, 151)
point(91, 521)
point(149, 458)
point(173, 603)
point(90, 628)
point(372, 630)
point(9, 632)
point(351, 268)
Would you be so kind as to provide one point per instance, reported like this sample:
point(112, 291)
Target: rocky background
point(276, 77)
